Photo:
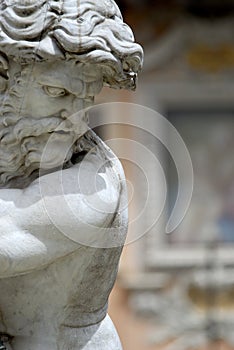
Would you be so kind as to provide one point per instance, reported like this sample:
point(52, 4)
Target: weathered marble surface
point(56, 284)
point(63, 214)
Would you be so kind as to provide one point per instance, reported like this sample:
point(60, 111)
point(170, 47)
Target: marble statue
point(60, 240)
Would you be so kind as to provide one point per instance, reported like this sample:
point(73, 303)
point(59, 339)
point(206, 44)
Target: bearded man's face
point(39, 100)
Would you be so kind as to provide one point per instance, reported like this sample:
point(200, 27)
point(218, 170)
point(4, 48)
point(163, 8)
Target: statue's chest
point(36, 303)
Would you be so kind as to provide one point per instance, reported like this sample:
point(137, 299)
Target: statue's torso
point(69, 292)
point(36, 304)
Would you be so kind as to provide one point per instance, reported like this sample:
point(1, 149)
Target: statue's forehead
point(61, 68)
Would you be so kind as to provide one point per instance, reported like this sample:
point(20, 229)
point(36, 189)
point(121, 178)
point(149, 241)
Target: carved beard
point(23, 140)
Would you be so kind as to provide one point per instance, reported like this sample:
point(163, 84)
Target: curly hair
point(88, 31)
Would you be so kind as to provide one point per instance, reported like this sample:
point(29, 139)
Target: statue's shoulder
point(93, 146)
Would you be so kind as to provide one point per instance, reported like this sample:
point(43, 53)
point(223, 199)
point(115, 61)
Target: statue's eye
point(55, 91)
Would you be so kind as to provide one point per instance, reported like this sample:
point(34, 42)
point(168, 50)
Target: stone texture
point(63, 197)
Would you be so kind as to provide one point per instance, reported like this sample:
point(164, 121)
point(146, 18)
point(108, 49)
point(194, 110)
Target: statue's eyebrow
point(65, 84)
point(44, 79)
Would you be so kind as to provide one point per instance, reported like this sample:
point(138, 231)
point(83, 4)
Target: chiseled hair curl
point(90, 31)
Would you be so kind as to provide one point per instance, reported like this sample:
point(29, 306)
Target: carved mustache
point(22, 144)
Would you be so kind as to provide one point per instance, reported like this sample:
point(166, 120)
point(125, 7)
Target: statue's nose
point(78, 104)
point(82, 103)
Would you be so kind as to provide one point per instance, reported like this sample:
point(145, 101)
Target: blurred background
point(176, 292)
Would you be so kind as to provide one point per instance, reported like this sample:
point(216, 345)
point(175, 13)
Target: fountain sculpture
point(63, 210)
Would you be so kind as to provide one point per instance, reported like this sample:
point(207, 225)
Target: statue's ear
point(3, 72)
